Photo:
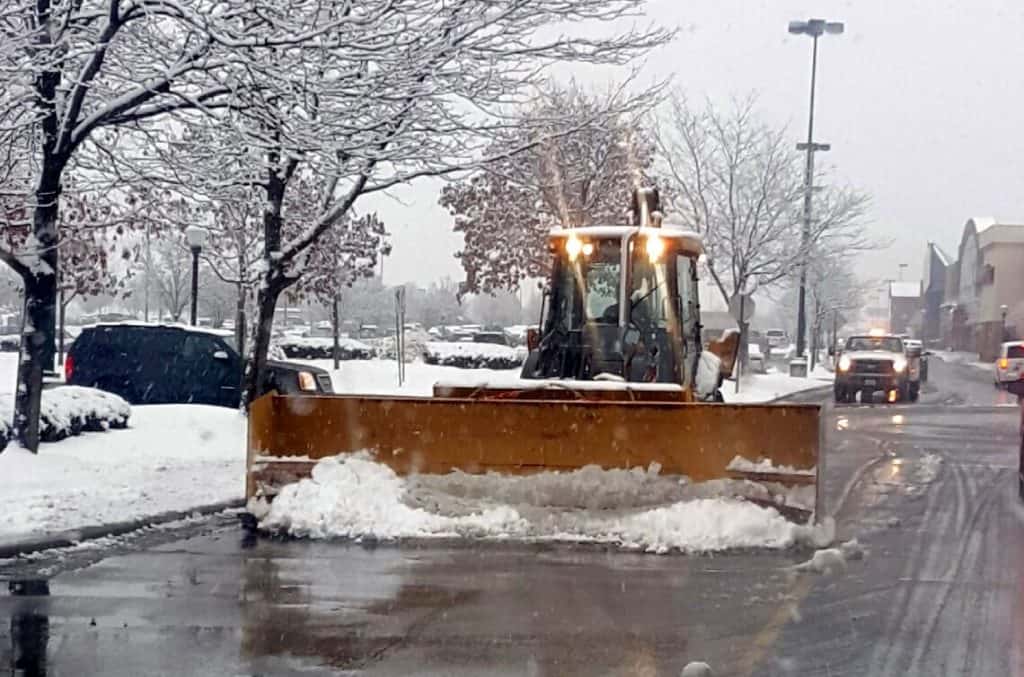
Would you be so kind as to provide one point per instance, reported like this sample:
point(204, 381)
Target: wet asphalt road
point(928, 489)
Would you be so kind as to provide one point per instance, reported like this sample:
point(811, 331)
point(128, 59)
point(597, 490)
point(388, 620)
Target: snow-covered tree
point(739, 182)
point(72, 76)
point(593, 151)
point(394, 91)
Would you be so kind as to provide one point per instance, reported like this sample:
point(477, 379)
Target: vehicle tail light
point(1003, 363)
point(532, 339)
point(69, 367)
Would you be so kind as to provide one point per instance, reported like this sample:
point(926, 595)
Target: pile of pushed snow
point(69, 410)
point(351, 496)
point(468, 355)
point(765, 466)
point(312, 348)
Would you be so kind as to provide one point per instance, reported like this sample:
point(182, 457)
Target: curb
point(805, 391)
point(66, 539)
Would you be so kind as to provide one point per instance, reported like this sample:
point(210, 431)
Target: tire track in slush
point(917, 558)
point(954, 572)
point(954, 566)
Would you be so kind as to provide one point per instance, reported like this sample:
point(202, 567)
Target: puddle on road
point(30, 626)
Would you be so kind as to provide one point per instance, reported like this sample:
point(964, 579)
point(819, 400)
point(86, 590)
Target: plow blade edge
point(288, 434)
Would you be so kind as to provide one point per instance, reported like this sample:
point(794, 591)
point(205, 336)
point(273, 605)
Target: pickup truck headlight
point(844, 363)
point(307, 382)
point(899, 364)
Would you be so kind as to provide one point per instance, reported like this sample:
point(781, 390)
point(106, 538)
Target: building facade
point(933, 283)
point(905, 307)
point(984, 299)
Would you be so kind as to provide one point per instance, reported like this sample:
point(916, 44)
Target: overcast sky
point(921, 100)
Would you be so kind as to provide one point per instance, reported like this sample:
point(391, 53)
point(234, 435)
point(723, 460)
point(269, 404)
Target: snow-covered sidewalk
point(352, 497)
point(965, 358)
point(171, 457)
point(773, 385)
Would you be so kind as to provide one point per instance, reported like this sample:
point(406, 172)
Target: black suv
point(166, 364)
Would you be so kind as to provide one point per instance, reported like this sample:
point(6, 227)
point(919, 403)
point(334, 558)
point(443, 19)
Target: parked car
point(1010, 364)
point(776, 338)
point(915, 349)
point(165, 364)
point(498, 338)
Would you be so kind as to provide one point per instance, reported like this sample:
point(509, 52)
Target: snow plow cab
point(616, 376)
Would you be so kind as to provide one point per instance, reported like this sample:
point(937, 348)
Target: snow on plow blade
point(775, 444)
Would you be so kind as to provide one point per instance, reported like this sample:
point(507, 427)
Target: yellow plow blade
point(288, 434)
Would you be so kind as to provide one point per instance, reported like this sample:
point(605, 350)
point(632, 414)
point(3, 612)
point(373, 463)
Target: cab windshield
point(885, 344)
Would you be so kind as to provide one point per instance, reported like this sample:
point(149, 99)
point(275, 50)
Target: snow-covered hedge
point(322, 348)
point(468, 355)
point(70, 410)
point(10, 343)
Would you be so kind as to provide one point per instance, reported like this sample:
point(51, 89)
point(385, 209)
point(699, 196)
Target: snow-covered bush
point(322, 348)
point(468, 355)
point(415, 345)
point(70, 410)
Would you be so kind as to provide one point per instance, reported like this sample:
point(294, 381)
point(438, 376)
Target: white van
point(776, 338)
point(1010, 363)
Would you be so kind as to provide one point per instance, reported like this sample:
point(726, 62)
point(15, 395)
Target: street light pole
point(815, 28)
point(195, 236)
point(195, 283)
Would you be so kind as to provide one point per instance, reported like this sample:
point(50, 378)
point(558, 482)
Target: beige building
point(984, 303)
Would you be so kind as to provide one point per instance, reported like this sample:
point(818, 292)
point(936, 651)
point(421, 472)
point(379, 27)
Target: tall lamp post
point(196, 238)
point(814, 28)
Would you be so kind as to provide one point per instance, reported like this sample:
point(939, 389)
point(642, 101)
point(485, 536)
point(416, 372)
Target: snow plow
point(617, 376)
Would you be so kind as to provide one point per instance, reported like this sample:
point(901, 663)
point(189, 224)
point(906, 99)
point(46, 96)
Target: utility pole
point(814, 28)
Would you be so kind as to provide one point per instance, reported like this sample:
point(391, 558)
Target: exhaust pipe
point(646, 207)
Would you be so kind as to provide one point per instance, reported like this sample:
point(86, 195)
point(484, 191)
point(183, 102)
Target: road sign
point(742, 302)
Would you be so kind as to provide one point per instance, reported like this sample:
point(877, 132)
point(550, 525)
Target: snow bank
point(965, 358)
point(322, 348)
point(173, 457)
point(766, 466)
point(351, 496)
point(773, 385)
point(467, 355)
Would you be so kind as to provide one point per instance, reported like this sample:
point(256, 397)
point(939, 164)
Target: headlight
point(655, 247)
point(844, 363)
point(573, 247)
point(306, 381)
point(899, 364)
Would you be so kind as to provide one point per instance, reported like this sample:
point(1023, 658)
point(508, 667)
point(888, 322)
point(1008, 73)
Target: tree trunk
point(272, 284)
point(60, 332)
point(256, 363)
point(40, 314)
point(240, 320)
point(335, 330)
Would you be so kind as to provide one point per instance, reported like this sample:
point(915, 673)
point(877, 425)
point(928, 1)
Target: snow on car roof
point(222, 333)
